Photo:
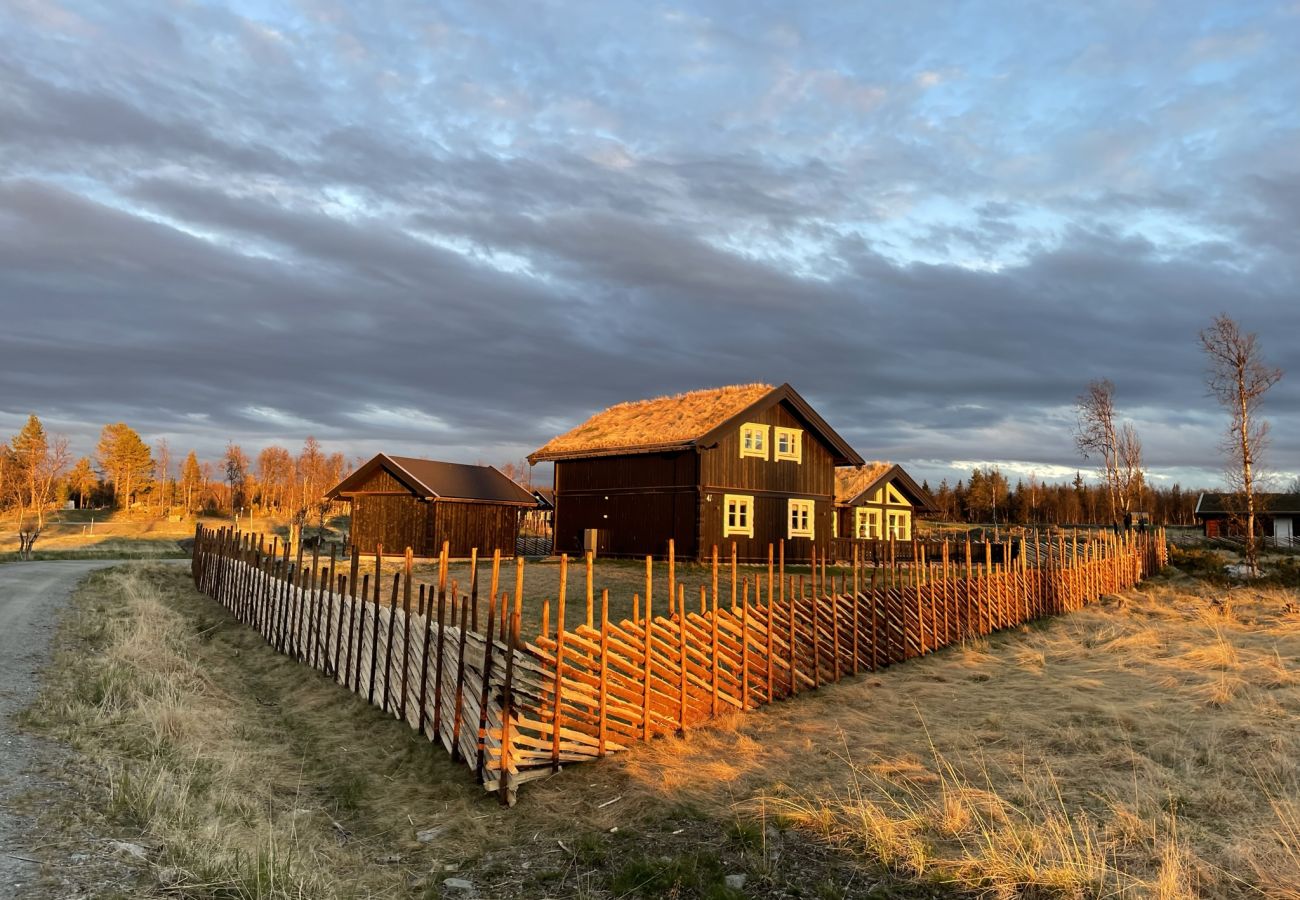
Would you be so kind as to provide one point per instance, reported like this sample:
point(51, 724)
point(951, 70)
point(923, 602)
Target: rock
point(458, 884)
point(735, 882)
point(129, 849)
point(429, 835)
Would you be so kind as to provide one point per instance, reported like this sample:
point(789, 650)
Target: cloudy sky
point(454, 230)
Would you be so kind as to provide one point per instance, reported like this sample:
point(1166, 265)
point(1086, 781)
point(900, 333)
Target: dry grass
point(659, 421)
point(850, 481)
point(1144, 747)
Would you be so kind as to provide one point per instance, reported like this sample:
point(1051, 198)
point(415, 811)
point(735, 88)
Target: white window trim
point(896, 518)
point(892, 495)
point(762, 431)
point(746, 530)
point(791, 506)
point(796, 434)
point(864, 521)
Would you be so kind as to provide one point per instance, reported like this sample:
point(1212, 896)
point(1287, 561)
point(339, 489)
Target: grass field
point(1145, 747)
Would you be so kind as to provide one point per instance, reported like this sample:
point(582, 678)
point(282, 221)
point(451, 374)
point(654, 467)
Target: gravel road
point(31, 595)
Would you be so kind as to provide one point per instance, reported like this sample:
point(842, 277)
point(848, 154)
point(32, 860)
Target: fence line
point(456, 669)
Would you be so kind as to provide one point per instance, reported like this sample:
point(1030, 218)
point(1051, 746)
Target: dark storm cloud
point(455, 232)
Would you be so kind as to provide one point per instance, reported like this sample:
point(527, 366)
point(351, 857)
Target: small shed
point(401, 501)
point(1224, 515)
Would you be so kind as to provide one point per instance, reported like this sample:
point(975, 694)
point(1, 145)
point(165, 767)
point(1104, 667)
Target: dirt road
point(31, 595)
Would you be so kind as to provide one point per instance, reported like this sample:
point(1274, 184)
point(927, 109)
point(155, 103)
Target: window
point(898, 525)
point(737, 515)
point(801, 518)
point(789, 444)
point(867, 524)
point(753, 440)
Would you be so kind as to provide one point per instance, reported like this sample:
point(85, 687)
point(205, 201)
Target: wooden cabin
point(878, 501)
point(1224, 515)
point(400, 502)
point(749, 464)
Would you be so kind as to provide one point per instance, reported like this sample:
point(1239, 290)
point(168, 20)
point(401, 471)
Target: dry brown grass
point(1144, 747)
point(1140, 748)
point(850, 481)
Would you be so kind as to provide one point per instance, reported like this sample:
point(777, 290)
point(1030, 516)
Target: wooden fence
point(517, 709)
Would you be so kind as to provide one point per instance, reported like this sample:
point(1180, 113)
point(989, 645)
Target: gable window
point(753, 440)
point(867, 524)
point(737, 515)
point(801, 518)
point(789, 444)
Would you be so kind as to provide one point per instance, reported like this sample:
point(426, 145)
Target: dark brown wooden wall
point(395, 520)
point(772, 483)
point(384, 511)
point(466, 526)
point(642, 500)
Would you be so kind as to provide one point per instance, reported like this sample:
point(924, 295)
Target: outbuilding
point(1224, 515)
point(401, 501)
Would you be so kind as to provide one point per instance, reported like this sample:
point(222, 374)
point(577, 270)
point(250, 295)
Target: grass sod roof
point(851, 481)
point(644, 425)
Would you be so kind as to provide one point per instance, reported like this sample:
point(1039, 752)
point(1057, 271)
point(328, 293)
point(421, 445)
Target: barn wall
point(397, 521)
point(641, 500)
point(467, 526)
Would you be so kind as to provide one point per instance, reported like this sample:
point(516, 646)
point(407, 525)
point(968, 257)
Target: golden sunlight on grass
point(1146, 747)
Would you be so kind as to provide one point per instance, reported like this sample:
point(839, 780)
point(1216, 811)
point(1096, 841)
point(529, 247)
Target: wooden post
point(744, 651)
point(713, 650)
point(504, 793)
point(649, 629)
point(473, 589)
point(374, 631)
point(603, 695)
point(388, 648)
point(442, 635)
point(559, 662)
point(590, 593)
point(485, 695)
point(681, 635)
point(735, 575)
point(460, 684)
point(406, 632)
point(771, 625)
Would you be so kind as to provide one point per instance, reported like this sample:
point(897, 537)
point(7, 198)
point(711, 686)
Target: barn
point(878, 501)
point(401, 501)
point(1224, 515)
point(748, 465)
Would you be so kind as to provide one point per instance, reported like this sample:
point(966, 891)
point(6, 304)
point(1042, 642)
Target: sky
point(456, 230)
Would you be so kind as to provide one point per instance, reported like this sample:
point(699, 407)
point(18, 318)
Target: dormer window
point(753, 440)
point(789, 444)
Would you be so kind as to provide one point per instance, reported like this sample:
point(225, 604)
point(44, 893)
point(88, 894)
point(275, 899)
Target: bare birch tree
point(1238, 378)
point(1096, 436)
point(1131, 480)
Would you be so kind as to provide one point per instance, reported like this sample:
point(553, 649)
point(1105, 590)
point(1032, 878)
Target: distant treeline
point(37, 472)
point(988, 496)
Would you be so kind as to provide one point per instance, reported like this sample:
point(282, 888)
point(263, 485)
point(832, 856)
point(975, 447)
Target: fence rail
point(514, 710)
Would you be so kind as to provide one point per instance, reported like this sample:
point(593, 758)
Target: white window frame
point(758, 438)
point(866, 523)
point(745, 515)
point(804, 512)
point(795, 454)
point(898, 523)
